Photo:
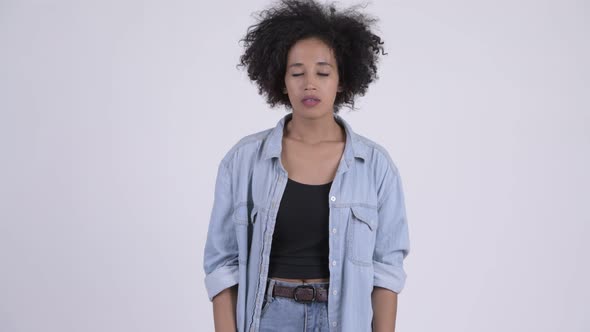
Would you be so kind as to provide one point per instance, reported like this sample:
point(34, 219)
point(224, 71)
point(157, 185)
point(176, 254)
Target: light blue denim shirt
point(368, 228)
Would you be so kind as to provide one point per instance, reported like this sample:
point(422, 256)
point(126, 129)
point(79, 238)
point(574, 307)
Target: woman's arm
point(224, 309)
point(220, 258)
point(391, 247)
point(384, 309)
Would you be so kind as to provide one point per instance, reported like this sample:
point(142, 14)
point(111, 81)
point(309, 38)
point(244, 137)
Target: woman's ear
point(339, 88)
point(284, 90)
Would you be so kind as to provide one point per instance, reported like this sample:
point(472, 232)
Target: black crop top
point(299, 247)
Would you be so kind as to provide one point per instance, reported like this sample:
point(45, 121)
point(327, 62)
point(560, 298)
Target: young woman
point(308, 230)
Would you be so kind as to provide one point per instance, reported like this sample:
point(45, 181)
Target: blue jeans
point(286, 315)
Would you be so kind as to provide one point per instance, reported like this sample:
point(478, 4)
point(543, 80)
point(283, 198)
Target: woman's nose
point(309, 83)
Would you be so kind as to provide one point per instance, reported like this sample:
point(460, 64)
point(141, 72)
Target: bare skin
point(224, 309)
point(384, 303)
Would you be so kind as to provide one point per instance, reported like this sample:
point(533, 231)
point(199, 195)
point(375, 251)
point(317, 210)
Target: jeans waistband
point(296, 283)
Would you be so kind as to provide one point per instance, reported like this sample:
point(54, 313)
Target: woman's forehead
point(311, 50)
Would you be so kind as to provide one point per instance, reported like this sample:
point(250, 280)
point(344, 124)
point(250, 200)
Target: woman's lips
point(309, 102)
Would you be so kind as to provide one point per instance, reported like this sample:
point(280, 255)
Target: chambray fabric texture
point(287, 315)
point(369, 237)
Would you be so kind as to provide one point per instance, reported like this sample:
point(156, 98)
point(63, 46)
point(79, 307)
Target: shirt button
point(334, 324)
point(333, 263)
point(333, 198)
point(335, 292)
point(334, 230)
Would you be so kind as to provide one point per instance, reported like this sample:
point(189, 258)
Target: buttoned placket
point(335, 282)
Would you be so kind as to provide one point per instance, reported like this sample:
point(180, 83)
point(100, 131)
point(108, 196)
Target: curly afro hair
point(346, 32)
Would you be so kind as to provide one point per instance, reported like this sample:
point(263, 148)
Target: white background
point(115, 115)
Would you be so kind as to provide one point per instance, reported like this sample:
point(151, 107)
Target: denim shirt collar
point(353, 148)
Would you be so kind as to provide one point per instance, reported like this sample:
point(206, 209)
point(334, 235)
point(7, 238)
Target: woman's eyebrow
point(299, 64)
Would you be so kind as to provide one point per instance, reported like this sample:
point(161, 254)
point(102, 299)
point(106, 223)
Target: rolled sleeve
point(220, 259)
point(392, 244)
point(220, 279)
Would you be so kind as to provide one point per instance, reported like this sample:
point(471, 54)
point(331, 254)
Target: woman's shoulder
point(247, 145)
point(377, 153)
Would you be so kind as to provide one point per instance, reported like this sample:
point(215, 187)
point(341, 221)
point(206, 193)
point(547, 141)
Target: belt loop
point(269, 289)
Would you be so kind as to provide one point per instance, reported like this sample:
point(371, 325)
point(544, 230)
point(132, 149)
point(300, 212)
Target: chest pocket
point(244, 224)
point(360, 237)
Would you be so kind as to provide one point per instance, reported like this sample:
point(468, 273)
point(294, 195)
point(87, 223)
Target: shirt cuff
point(220, 279)
point(389, 276)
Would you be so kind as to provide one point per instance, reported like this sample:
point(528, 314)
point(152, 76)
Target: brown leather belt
point(302, 293)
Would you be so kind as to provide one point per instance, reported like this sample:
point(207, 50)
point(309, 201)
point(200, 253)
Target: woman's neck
point(313, 131)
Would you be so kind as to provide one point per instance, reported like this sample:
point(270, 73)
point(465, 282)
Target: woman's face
point(311, 78)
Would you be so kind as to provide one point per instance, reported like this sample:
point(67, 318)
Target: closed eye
point(321, 74)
